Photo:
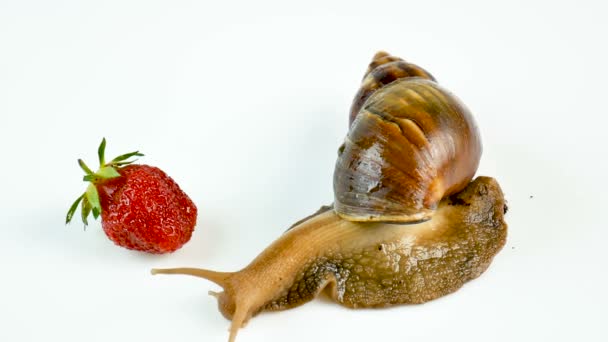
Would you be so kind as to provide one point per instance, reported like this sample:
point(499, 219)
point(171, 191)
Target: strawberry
point(141, 208)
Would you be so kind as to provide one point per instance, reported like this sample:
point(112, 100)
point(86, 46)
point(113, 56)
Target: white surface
point(245, 105)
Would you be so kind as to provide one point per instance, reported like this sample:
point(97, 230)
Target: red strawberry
point(141, 207)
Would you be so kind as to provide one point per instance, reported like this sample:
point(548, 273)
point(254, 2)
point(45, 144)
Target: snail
point(408, 224)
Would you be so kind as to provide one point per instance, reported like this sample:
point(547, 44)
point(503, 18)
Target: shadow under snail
point(407, 224)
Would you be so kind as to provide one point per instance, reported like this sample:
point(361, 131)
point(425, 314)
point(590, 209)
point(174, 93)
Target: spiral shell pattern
point(383, 70)
point(411, 143)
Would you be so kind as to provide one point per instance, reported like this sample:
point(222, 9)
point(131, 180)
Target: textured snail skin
point(368, 264)
point(411, 144)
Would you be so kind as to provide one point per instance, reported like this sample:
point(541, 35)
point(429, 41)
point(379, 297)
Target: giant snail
point(407, 224)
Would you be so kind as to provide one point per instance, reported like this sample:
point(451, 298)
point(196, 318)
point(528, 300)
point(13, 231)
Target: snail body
point(359, 250)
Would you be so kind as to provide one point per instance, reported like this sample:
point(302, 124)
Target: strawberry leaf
point(90, 178)
point(107, 172)
point(72, 210)
point(101, 152)
point(125, 156)
point(124, 163)
point(85, 210)
point(84, 167)
point(96, 213)
point(93, 199)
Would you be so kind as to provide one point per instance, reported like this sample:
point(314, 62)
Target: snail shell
point(410, 144)
point(383, 70)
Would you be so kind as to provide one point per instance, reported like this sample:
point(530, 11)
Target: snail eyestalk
point(216, 277)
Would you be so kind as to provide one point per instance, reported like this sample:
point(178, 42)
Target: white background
point(244, 104)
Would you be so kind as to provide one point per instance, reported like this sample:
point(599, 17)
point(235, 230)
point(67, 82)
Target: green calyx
point(89, 201)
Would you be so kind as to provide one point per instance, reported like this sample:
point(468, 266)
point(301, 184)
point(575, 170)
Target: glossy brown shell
point(411, 143)
point(383, 69)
